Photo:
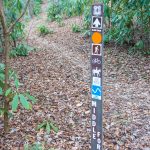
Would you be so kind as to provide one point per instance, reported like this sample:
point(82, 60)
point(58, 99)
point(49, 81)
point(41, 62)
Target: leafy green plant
point(67, 8)
point(10, 13)
point(54, 9)
point(43, 30)
point(59, 19)
point(74, 7)
point(21, 50)
point(35, 146)
point(14, 96)
point(86, 21)
point(17, 33)
point(48, 126)
point(86, 33)
point(87, 17)
point(37, 7)
point(39, 1)
point(76, 28)
point(129, 23)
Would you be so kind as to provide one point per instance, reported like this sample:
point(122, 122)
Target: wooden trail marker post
point(96, 73)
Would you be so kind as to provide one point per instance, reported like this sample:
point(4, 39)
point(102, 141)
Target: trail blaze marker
point(96, 37)
point(96, 73)
point(97, 22)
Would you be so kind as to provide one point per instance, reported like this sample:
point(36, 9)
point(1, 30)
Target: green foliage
point(59, 19)
point(67, 8)
point(127, 20)
point(12, 11)
point(39, 1)
point(48, 126)
point(12, 93)
point(43, 30)
point(130, 23)
point(35, 146)
point(18, 31)
point(1, 49)
point(21, 50)
point(87, 21)
point(37, 7)
point(76, 28)
point(87, 18)
point(74, 7)
point(53, 10)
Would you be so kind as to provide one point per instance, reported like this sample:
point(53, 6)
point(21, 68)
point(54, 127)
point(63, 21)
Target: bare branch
point(14, 23)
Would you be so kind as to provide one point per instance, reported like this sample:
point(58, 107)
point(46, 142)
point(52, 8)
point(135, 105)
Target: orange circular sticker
point(96, 38)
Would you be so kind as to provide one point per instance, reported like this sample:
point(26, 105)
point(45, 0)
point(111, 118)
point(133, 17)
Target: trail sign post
point(96, 73)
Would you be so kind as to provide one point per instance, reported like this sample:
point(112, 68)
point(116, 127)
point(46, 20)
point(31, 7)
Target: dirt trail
point(58, 73)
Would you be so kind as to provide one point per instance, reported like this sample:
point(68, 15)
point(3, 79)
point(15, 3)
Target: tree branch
point(2, 18)
point(14, 23)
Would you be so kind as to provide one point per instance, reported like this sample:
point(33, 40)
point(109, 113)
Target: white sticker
point(96, 97)
point(96, 81)
point(97, 10)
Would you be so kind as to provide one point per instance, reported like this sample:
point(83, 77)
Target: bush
point(59, 19)
point(129, 23)
point(68, 8)
point(43, 30)
point(74, 7)
point(21, 50)
point(53, 11)
point(37, 7)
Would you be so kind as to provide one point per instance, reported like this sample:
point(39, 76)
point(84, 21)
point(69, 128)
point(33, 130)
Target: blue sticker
point(96, 92)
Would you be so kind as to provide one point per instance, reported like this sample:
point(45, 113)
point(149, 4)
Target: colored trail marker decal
point(97, 22)
point(96, 76)
point(96, 72)
point(96, 61)
point(96, 81)
point(96, 49)
point(96, 37)
point(96, 92)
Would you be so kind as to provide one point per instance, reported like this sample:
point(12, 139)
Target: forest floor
point(58, 74)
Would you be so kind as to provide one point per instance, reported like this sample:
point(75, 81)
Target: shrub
point(53, 11)
point(59, 19)
point(129, 23)
point(37, 7)
point(43, 30)
point(48, 126)
point(21, 50)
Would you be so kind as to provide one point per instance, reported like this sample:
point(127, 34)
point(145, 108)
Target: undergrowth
point(21, 50)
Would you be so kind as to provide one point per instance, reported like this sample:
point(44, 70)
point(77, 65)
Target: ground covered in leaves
point(58, 74)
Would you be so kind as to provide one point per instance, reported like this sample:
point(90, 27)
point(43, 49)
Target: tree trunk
point(6, 102)
point(6, 57)
point(6, 34)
